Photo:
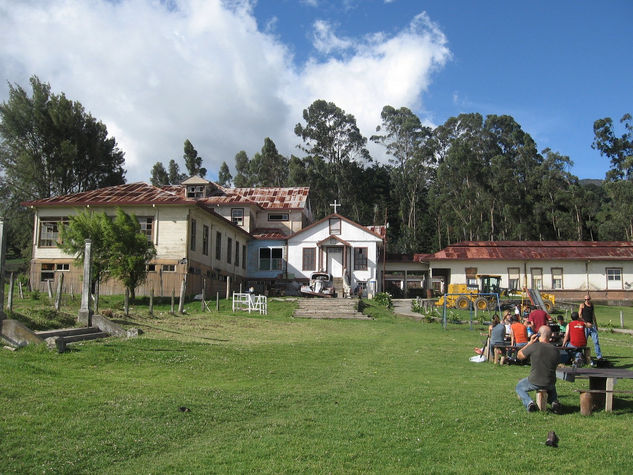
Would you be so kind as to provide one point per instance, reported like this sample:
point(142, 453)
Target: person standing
point(543, 360)
point(586, 312)
point(538, 317)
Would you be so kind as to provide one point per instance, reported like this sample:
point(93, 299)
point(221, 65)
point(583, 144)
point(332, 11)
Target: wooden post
point(85, 314)
point(204, 284)
point(72, 293)
point(586, 403)
point(20, 291)
point(621, 320)
point(126, 302)
point(2, 260)
point(49, 288)
point(217, 301)
point(173, 297)
point(10, 296)
point(541, 399)
point(151, 301)
point(160, 279)
point(58, 296)
point(183, 289)
point(228, 287)
point(97, 293)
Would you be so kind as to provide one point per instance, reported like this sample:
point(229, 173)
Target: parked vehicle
point(320, 285)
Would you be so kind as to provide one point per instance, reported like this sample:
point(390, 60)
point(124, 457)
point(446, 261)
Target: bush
point(384, 299)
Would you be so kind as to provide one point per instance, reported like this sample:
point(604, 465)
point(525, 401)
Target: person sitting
point(575, 336)
point(497, 334)
point(530, 327)
point(561, 324)
point(544, 360)
point(518, 333)
point(507, 322)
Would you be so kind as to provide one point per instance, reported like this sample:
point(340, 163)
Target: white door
point(335, 261)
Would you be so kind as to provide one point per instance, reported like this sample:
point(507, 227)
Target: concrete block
point(17, 334)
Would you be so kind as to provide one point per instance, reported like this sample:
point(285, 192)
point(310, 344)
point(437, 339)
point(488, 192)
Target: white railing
point(250, 302)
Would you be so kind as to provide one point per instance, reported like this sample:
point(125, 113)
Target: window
point(151, 267)
point(309, 258)
point(243, 256)
point(514, 274)
point(270, 258)
point(229, 250)
point(169, 268)
point(237, 216)
point(218, 246)
point(537, 277)
point(195, 191)
point(49, 231)
point(62, 267)
point(614, 277)
point(557, 277)
point(335, 225)
point(278, 217)
point(360, 258)
point(193, 234)
point(146, 226)
point(48, 272)
point(237, 253)
point(205, 240)
point(471, 277)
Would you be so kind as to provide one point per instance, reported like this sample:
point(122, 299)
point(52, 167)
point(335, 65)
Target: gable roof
point(533, 250)
point(336, 215)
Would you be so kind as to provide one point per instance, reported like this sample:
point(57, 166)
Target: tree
point(333, 136)
point(130, 251)
point(50, 146)
point(159, 177)
point(119, 248)
point(242, 167)
point(269, 167)
point(175, 177)
point(93, 226)
point(192, 161)
point(224, 175)
point(405, 139)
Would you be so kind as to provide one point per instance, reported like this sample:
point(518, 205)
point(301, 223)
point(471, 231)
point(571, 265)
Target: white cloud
point(325, 40)
point(158, 73)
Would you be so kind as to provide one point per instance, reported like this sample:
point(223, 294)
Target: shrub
point(384, 299)
point(35, 295)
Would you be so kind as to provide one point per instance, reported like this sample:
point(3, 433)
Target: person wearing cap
point(543, 362)
point(586, 312)
point(575, 336)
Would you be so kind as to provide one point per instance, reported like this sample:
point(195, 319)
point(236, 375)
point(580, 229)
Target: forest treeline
point(471, 178)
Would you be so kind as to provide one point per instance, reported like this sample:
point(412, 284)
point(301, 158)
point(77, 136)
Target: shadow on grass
point(44, 319)
point(175, 332)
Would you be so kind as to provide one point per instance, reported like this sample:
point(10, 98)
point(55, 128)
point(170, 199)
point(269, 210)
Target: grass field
point(274, 394)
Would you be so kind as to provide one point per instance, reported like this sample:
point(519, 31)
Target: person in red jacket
point(538, 318)
point(575, 336)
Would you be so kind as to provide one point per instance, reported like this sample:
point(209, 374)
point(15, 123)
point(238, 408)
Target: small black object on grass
point(552, 439)
point(184, 409)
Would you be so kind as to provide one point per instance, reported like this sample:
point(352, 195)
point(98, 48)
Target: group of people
point(545, 357)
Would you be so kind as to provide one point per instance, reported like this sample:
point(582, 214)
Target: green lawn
point(274, 394)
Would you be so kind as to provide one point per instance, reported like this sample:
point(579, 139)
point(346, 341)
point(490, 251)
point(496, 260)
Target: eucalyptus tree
point(193, 162)
point(268, 167)
point(224, 175)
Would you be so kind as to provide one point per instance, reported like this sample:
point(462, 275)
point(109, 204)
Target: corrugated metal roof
point(143, 193)
point(128, 194)
point(268, 233)
point(380, 230)
point(533, 250)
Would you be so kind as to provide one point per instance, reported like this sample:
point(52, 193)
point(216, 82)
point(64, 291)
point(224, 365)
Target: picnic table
point(601, 385)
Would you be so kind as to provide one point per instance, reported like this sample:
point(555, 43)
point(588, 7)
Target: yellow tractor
point(470, 296)
point(490, 284)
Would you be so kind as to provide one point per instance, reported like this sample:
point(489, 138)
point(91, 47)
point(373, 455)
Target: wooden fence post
point(58, 297)
point(151, 301)
point(126, 302)
point(621, 320)
point(173, 297)
point(217, 301)
point(49, 289)
point(20, 291)
point(183, 289)
point(10, 296)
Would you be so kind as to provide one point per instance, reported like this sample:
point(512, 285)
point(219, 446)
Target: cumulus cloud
point(157, 73)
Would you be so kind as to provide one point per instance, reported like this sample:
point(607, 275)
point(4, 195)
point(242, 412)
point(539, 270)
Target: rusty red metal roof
point(533, 250)
point(379, 230)
point(127, 194)
point(268, 233)
point(143, 193)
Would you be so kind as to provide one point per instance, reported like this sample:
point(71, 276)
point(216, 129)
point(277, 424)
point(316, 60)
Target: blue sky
point(228, 74)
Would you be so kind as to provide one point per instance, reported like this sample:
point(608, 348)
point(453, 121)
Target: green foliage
point(175, 177)
point(129, 251)
point(193, 162)
point(44, 319)
point(159, 176)
point(224, 175)
point(268, 167)
point(384, 299)
point(50, 146)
